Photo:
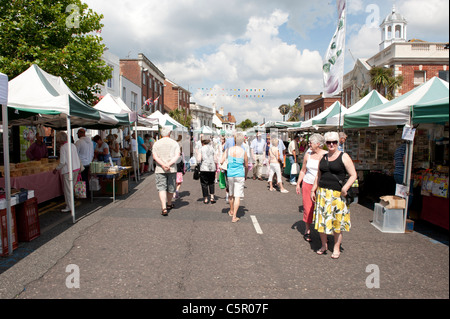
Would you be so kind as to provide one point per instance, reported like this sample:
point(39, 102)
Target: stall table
point(46, 185)
point(124, 171)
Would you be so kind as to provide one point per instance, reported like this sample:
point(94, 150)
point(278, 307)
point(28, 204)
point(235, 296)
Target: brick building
point(176, 97)
point(318, 106)
point(416, 60)
point(303, 100)
point(147, 76)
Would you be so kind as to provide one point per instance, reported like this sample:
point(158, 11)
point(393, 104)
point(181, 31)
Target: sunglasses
point(332, 142)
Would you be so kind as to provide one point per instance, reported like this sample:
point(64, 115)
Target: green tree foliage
point(295, 113)
point(383, 80)
point(62, 43)
point(181, 117)
point(247, 124)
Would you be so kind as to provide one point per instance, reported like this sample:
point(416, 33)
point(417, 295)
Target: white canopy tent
point(41, 98)
point(369, 101)
point(116, 105)
point(336, 109)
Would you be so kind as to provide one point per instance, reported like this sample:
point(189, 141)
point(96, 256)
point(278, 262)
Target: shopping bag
point(295, 169)
point(222, 181)
point(80, 188)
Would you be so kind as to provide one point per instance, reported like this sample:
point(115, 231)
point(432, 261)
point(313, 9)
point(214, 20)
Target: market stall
point(385, 126)
point(36, 97)
point(336, 109)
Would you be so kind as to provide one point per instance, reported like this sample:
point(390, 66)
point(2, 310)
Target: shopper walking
point(258, 150)
point(293, 151)
point(274, 165)
point(331, 214)
point(166, 153)
point(180, 168)
point(237, 161)
point(307, 177)
point(63, 167)
point(207, 159)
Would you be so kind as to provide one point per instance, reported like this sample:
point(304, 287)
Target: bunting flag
point(333, 67)
point(235, 93)
point(155, 102)
point(148, 102)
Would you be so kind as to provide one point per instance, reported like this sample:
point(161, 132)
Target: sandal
point(335, 255)
point(235, 220)
point(164, 212)
point(171, 206)
point(213, 200)
point(230, 214)
point(307, 237)
point(205, 201)
point(322, 252)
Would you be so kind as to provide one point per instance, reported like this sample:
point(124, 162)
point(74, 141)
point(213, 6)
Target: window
point(443, 75)
point(144, 78)
point(124, 94)
point(133, 101)
point(419, 77)
point(109, 82)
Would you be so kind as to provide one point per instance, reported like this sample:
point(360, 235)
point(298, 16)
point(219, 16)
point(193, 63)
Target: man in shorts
point(166, 154)
point(142, 152)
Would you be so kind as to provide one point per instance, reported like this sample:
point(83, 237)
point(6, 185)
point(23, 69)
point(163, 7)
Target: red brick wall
point(321, 103)
point(408, 74)
point(171, 97)
point(131, 70)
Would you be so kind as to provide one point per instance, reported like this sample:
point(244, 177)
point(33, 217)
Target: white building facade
point(201, 115)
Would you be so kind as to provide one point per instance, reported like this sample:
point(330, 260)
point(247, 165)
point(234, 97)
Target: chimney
point(221, 111)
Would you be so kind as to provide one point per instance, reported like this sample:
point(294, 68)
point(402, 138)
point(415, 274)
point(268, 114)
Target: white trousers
point(275, 169)
point(67, 185)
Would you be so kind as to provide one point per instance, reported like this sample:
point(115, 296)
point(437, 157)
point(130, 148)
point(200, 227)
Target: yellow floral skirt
point(331, 214)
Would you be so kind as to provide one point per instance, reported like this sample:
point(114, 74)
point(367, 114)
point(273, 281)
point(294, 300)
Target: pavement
point(127, 250)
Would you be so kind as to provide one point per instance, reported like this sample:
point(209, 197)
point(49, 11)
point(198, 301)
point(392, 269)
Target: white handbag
point(295, 169)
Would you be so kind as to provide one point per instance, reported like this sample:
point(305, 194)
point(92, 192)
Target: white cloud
point(257, 60)
point(235, 44)
point(427, 20)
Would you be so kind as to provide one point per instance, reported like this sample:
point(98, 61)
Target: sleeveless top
point(272, 158)
point(235, 166)
point(337, 168)
point(312, 168)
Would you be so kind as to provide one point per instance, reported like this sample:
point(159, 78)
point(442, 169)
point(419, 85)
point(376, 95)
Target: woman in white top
point(207, 160)
point(63, 167)
point(275, 168)
point(307, 176)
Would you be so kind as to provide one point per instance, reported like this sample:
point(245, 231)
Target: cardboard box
point(121, 187)
point(393, 202)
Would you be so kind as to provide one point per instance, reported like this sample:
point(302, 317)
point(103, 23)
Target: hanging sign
point(408, 133)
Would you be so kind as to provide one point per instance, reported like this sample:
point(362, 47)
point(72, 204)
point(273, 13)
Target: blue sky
point(263, 44)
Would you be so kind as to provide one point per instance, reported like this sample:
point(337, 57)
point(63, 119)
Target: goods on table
point(31, 168)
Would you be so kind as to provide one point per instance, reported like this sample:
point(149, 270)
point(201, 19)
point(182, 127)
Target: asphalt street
point(127, 250)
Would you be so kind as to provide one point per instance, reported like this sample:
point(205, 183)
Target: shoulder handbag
point(350, 198)
point(80, 188)
point(197, 172)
